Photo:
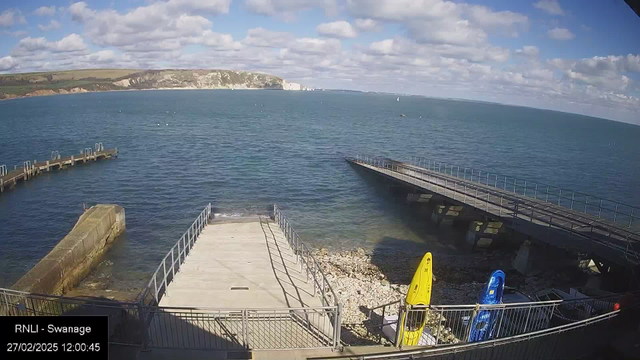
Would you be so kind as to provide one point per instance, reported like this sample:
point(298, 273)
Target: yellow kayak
point(419, 294)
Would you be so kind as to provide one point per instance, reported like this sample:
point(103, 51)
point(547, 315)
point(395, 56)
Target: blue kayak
point(483, 323)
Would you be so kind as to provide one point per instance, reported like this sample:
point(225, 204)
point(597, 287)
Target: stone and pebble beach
point(365, 280)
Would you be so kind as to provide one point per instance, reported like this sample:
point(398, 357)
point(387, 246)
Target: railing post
point(535, 194)
point(559, 196)
point(438, 322)
point(323, 302)
point(573, 195)
point(586, 201)
point(143, 326)
point(547, 199)
point(400, 327)
point(164, 269)
point(615, 213)
point(337, 327)
point(155, 288)
point(502, 311)
point(631, 218)
point(505, 184)
point(600, 208)
point(173, 267)
point(245, 329)
point(527, 321)
point(525, 188)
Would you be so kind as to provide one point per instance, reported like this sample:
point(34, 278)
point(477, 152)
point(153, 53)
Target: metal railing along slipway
point(125, 318)
point(177, 255)
point(622, 214)
point(570, 341)
point(496, 201)
point(256, 328)
point(447, 326)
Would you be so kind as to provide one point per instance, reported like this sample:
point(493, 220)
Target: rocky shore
point(365, 280)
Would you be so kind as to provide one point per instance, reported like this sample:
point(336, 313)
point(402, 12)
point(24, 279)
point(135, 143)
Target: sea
point(243, 151)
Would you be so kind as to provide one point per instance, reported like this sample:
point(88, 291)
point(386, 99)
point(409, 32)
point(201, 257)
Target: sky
point(579, 56)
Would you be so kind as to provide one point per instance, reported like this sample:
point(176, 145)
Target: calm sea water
point(245, 150)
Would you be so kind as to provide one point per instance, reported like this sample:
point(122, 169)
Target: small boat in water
point(403, 115)
point(398, 99)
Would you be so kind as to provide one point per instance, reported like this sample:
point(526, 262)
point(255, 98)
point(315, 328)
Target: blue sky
point(568, 55)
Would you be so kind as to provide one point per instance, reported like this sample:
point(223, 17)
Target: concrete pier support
point(445, 214)
point(483, 234)
point(419, 198)
point(532, 258)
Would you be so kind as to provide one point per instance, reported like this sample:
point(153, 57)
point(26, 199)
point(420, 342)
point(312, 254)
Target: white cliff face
point(199, 79)
point(291, 86)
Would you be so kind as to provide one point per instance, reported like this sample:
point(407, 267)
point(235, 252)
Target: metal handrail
point(451, 349)
point(395, 166)
point(483, 195)
point(593, 223)
point(177, 254)
point(304, 254)
point(320, 281)
point(575, 200)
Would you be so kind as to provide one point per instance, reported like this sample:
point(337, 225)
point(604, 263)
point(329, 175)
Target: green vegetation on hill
point(60, 82)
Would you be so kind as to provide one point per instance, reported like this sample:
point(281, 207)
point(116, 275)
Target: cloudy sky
point(578, 56)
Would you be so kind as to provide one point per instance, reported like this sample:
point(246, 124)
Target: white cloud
point(618, 83)
point(315, 46)
point(51, 26)
point(401, 10)
point(367, 25)
point(338, 29)
point(261, 37)
point(29, 45)
point(560, 34)
point(585, 28)
point(7, 63)
point(458, 32)
point(506, 21)
point(604, 72)
point(528, 51)
point(549, 6)
point(45, 11)
point(217, 41)
point(287, 9)
point(163, 25)
point(11, 17)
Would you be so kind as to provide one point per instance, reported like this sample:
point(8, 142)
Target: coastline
point(84, 91)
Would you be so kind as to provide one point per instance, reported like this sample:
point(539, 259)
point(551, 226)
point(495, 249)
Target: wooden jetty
point(9, 179)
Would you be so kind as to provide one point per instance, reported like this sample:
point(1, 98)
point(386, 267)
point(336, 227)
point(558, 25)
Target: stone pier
point(74, 256)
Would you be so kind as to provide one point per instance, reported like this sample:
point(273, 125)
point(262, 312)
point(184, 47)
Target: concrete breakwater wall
point(74, 256)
